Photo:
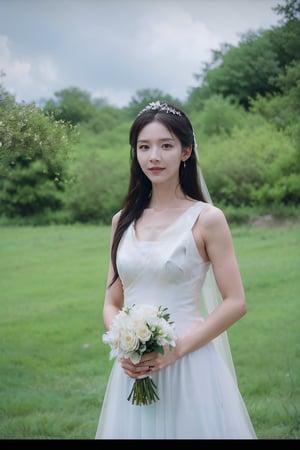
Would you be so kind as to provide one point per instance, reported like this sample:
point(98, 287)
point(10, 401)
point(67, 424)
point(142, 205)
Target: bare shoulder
point(115, 220)
point(212, 217)
point(214, 230)
point(210, 229)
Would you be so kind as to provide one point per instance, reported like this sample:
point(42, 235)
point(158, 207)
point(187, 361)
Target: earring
point(184, 164)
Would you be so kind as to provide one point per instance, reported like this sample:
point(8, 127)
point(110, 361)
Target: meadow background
point(64, 168)
point(54, 366)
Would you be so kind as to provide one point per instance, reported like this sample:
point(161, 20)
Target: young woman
point(170, 246)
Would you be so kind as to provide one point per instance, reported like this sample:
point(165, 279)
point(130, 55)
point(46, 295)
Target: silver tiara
point(161, 107)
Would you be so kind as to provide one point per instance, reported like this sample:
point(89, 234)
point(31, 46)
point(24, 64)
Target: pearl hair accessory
point(161, 107)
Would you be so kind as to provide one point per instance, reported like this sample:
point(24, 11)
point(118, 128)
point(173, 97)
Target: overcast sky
point(112, 48)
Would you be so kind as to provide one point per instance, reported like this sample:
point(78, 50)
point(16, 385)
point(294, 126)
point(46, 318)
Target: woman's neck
point(165, 200)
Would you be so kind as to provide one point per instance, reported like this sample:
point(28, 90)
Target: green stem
point(143, 392)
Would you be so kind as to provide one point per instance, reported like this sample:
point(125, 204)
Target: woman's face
point(159, 153)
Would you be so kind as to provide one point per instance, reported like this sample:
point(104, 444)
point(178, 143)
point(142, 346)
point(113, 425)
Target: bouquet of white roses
point(137, 330)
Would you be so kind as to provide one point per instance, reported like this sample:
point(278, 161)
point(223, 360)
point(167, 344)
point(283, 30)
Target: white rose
point(143, 333)
point(128, 341)
point(145, 312)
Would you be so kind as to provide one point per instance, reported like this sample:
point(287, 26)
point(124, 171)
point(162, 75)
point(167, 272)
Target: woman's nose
point(154, 154)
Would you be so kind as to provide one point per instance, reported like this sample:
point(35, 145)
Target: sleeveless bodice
point(168, 271)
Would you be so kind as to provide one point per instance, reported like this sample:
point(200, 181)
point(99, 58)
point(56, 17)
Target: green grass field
point(54, 366)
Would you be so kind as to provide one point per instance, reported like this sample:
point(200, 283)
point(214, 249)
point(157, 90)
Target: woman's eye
point(143, 147)
point(167, 146)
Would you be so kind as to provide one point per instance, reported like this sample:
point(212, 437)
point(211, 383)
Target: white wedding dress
point(198, 396)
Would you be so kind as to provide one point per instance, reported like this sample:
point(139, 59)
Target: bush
point(97, 190)
point(219, 116)
point(33, 159)
point(246, 168)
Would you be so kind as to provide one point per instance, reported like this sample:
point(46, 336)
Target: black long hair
point(140, 187)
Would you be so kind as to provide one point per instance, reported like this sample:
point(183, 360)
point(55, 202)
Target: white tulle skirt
point(198, 399)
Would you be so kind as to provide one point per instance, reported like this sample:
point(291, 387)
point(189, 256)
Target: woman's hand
point(149, 363)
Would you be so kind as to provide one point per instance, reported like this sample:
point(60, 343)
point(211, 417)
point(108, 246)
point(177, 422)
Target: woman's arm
point(113, 300)
point(213, 236)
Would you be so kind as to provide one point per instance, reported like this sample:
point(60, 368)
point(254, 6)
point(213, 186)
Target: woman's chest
point(153, 223)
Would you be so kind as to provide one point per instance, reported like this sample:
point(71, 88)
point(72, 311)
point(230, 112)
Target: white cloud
point(18, 70)
point(46, 69)
point(112, 48)
point(175, 49)
point(23, 75)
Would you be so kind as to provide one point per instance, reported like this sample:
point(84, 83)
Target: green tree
point(92, 196)
point(290, 11)
point(71, 105)
point(254, 166)
point(145, 96)
point(33, 158)
point(220, 116)
point(282, 109)
point(286, 38)
point(105, 118)
point(252, 68)
point(243, 71)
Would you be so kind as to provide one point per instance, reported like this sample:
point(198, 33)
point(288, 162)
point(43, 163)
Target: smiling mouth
point(156, 169)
